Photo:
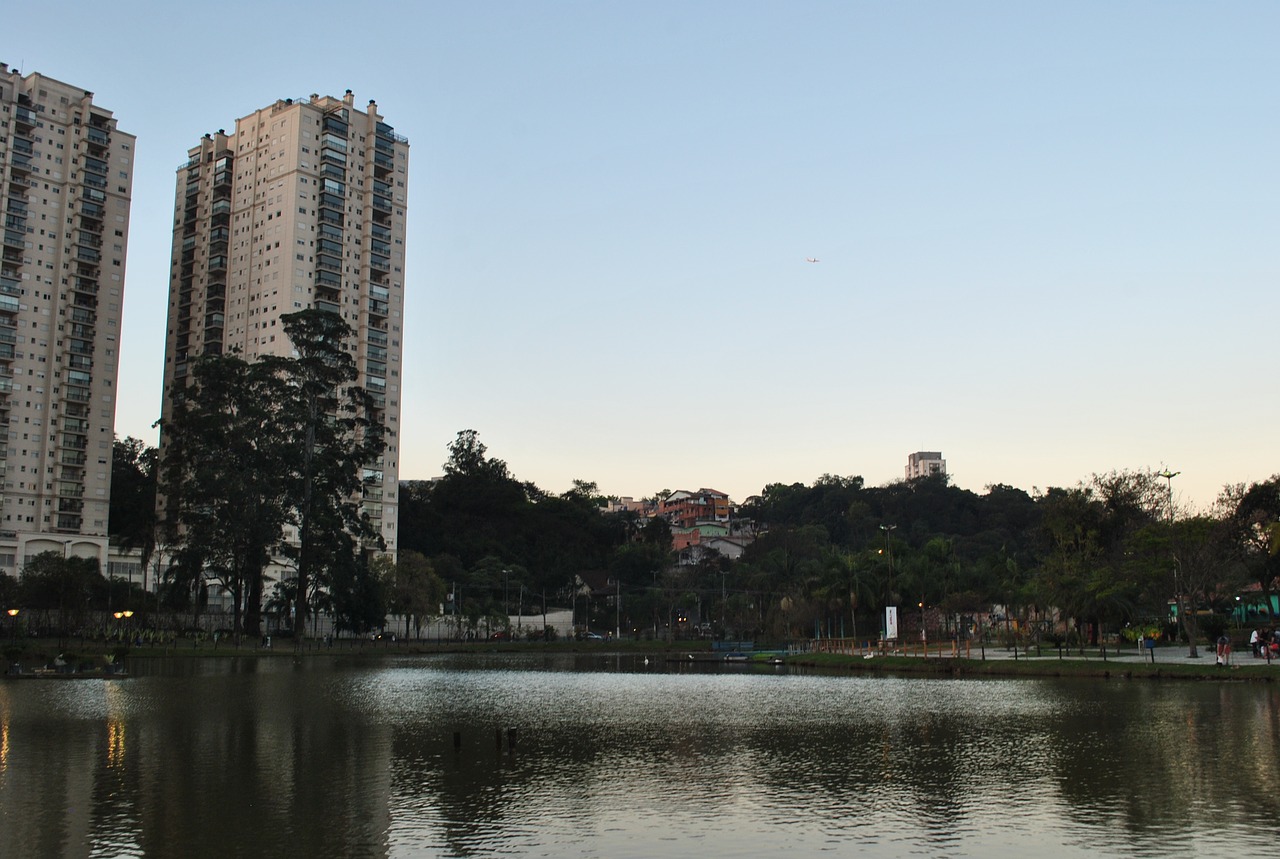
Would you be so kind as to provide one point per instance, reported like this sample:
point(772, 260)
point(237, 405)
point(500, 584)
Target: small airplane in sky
point(811, 259)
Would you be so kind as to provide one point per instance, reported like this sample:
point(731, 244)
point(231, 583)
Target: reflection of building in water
point(51, 770)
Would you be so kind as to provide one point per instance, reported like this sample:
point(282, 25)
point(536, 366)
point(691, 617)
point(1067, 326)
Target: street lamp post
point(1183, 620)
point(888, 588)
point(506, 597)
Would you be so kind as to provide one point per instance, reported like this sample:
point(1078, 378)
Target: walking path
point(1177, 654)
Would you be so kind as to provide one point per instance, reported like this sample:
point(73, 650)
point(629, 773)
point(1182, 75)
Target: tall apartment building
point(925, 463)
point(303, 206)
point(66, 174)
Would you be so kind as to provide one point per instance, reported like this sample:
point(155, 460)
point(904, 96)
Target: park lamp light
point(13, 612)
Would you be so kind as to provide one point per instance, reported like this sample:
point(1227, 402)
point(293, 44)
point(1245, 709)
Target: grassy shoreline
point(37, 652)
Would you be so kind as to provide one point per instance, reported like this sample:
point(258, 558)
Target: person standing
point(1224, 650)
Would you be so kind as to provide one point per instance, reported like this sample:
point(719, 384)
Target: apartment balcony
point(71, 457)
point(378, 308)
point(70, 505)
point(330, 306)
point(74, 442)
point(328, 278)
point(335, 125)
point(25, 118)
point(381, 264)
point(218, 264)
point(332, 217)
point(332, 201)
point(21, 164)
point(97, 136)
point(384, 145)
point(79, 329)
point(95, 165)
point(10, 284)
point(222, 207)
point(96, 182)
point(15, 239)
point(88, 255)
point(333, 171)
point(328, 263)
point(68, 524)
point(92, 210)
point(83, 316)
point(382, 165)
point(382, 204)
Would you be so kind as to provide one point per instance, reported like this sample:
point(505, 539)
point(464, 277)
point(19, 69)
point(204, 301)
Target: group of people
point(1261, 641)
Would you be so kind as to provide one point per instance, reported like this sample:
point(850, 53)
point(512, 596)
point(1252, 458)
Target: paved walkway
point(1164, 655)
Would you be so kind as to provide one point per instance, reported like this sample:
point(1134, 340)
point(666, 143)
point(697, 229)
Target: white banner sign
point(891, 623)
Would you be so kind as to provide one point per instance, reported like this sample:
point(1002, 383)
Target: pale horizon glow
point(1046, 233)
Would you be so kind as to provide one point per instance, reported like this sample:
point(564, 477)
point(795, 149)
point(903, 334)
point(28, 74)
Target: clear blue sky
point(1048, 232)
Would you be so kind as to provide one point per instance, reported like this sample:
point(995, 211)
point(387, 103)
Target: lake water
point(603, 756)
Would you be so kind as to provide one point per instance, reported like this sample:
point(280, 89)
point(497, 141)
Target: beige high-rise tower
point(302, 207)
point(66, 174)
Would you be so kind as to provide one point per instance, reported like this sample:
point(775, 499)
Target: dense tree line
point(1107, 554)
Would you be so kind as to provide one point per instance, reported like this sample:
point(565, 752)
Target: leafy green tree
point(226, 478)
point(51, 582)
point(415, 591)
point(1253, 516)
point(132, 515)
point(357, 592)
point(330, 433)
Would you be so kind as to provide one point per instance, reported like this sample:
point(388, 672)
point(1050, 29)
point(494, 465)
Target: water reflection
point(602, 756)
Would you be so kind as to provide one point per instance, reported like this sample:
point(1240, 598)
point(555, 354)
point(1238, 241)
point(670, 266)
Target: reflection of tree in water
point(304, 761)
point(1153, 756)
